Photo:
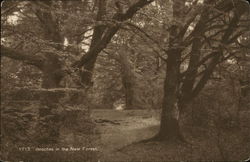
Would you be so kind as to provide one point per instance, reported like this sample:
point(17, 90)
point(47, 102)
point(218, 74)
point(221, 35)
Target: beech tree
point(217, 25)
point(50, 62)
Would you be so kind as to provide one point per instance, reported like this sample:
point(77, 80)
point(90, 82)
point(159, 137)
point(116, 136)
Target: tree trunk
point(52, 66)
point(127, 80)
point(52, 72)
point(49, 125)
point(129, 92)
point(169, 128)
point(87, 72)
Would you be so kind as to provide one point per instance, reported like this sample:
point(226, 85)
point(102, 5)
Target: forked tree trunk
point(169, 128)
point(52, 66)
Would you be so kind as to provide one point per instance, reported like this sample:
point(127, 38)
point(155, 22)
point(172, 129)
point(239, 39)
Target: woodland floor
point(122, 129)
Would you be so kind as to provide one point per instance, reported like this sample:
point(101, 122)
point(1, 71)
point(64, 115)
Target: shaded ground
point(119, 129)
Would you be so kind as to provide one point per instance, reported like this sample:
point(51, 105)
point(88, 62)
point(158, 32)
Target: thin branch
point(146, 34)
point(9, 9)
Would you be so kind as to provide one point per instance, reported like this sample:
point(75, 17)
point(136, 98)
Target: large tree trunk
point(169, 128)
point(52, 66)
point(52, 72)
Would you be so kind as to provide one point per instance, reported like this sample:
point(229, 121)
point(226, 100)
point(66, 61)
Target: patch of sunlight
point(3, 40)
point(65, 42)
point(231, 61)
point(190, 3)
point(85, 43)
point(142, 123)
point(120, 107)
point(13, 19)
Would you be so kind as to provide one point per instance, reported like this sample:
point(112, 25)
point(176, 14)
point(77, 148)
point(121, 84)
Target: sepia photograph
point(125, 80)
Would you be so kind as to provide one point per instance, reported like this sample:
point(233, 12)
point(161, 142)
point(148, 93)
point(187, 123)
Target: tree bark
point(52, 66)
point(169, 127)
point(127, 80)
point(87, 72)
point(52, 72)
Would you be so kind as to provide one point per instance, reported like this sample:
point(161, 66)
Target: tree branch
point(5, 11)
point(202, 82)
point(110, 32)
point(132, 10)
point(21, 56)
point(147, 35)
point(218, 55)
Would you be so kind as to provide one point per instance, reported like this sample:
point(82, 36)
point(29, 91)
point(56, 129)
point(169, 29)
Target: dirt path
point(120, 128)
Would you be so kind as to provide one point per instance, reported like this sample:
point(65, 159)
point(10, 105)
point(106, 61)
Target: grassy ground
point(120, 129)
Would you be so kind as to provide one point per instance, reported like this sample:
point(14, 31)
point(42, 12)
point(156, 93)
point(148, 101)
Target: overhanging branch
point(21, 56)
point(110, 32)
